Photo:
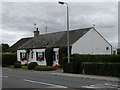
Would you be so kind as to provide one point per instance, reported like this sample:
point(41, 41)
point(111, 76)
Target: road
point(17, 78)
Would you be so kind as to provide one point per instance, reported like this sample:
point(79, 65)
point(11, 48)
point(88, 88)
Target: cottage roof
point(15, 46)
point(54, 39)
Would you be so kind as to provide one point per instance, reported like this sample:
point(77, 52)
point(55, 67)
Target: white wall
point(57, 53)
point(18, 56)
point(34, 57)
point(91, 43)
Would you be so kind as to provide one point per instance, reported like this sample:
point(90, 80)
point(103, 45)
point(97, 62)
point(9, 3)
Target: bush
point(32, 65)
point(44, 68)
point(73, 67)
point(17, 65)
point(63, 52)
point(18, 62)
point(9, 58)
point(49, 56)
point(105, 69)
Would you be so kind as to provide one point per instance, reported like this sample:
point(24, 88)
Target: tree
point(4, 47)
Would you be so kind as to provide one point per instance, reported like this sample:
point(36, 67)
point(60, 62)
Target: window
point(40, 55)
point(22, 54)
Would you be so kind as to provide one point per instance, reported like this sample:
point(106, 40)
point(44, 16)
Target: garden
point(104, 65)
point(10, 60)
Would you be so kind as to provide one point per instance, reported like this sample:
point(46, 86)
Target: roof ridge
point(66, 31)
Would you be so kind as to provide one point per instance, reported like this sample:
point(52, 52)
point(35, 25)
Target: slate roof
point(14, 47)
point(54, 39)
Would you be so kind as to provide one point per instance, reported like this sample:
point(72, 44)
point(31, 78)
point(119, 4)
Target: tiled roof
point(14, 47)
point(54, 39)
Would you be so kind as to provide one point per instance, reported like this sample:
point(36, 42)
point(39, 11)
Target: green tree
point(4, 47)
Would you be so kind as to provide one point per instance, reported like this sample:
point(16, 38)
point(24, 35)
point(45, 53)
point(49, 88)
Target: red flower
point(56, 66)
point(39, 58)
point(63, 55)
point(22, 58)
point(61, 47)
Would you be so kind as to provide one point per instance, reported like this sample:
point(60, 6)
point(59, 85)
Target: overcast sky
point(18, 19)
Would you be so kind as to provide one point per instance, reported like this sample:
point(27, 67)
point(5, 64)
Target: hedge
point(44, 68)
point(73, 67)
point(9, 58)
point(105, 69)
point(97, 58)
point(107, 62)
point(49, 56)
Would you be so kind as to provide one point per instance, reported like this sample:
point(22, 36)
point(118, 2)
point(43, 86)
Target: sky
point(18, 19)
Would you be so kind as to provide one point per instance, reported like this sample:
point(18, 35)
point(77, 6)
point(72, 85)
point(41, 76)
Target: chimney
point(36, 33)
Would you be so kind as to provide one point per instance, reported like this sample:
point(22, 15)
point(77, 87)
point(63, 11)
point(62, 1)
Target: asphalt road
point(17, 78)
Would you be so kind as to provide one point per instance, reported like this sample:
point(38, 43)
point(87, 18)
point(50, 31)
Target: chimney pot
point(36, 33)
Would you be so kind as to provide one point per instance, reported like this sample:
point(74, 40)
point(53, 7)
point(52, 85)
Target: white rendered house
point(83, 41)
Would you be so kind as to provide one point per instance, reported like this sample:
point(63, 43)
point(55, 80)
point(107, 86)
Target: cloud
point(20, 18)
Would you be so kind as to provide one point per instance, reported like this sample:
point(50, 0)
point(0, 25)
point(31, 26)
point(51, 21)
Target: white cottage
point(83, 41)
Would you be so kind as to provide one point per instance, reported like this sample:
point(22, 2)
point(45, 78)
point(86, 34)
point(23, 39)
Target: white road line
point(106, 85)
point(4, 76)
point(88, 87)
point(53, 85)
point(111, 85)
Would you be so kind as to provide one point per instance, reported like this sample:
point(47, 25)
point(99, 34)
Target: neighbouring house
point(15, 46)
point(83, 41)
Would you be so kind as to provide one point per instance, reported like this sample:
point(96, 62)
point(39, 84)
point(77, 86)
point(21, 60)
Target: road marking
point(4, 76)
point(53, 85)
point(106, 85)
point(111, 85)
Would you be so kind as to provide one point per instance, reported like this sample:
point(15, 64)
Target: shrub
point(63, 52)
point(49, 56)
point(105, 69)
point(9, 58)
point(32, 65)
point(17, 65)
point(44, 68)
point(18, 62)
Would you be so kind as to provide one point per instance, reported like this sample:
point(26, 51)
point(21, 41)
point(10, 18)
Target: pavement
point(106, 78)
point(19, 78)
